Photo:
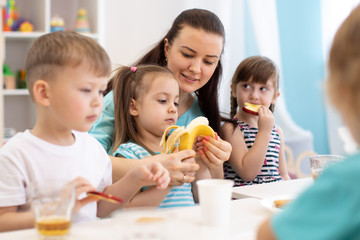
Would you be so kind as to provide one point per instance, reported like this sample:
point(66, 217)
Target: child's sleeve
point(12, 181)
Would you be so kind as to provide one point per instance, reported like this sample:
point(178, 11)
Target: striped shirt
point(178, 196)
point(269, 171)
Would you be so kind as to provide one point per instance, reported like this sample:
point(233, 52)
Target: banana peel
point(185, 137)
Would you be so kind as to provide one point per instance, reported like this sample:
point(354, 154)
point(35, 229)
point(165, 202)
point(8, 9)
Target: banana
point(185, 137)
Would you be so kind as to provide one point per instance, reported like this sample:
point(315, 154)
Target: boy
point(67, 75)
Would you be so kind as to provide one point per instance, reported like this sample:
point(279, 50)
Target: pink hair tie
point(133, 69)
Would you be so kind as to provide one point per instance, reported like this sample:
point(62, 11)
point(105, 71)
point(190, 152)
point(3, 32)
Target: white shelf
point(15, 92)
point(22, 35)
point(34, 35)
point(19, 110)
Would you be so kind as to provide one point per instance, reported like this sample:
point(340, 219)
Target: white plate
point(269, 202)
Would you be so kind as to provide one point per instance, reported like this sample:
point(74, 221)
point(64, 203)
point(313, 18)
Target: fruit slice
point(105, 196)
point(251, 108)
point(185, 137)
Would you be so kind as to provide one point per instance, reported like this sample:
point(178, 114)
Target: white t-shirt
point(27, 158)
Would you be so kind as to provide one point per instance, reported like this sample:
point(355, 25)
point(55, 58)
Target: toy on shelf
point(9, 15)
point(82, 23)
point(57, 24)
point(11, 21)
point(21, 79)
point(9, 77)
point(22, 25)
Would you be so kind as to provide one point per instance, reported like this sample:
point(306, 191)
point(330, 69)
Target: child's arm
point(265, 232)
point(172, 162)
point(11, 219)
point(282, 160)
point(128, 186)
point(248, 162)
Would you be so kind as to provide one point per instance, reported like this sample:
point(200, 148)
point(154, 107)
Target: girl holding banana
point(192, 51)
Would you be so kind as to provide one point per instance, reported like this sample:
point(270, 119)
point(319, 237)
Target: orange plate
point(105, 196)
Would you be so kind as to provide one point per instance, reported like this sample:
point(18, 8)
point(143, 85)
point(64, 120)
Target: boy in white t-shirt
point(67, 75)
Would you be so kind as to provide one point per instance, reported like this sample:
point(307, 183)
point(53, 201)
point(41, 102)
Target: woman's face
point(193, 57)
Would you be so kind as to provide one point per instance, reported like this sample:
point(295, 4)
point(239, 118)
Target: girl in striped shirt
point(258, 145)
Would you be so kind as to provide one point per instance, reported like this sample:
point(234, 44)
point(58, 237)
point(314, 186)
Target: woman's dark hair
point(208, 94)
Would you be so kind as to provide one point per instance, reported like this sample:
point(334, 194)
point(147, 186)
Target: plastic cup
point(52, 203)
point(320, 162)
point(215, 201)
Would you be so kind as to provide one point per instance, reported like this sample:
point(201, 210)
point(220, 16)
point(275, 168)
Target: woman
point(192, 50)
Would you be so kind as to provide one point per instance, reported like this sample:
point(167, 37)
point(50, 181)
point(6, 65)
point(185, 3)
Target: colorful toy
point(57, 24)
point(82, 23)
point(9, 15)
point(26, 26)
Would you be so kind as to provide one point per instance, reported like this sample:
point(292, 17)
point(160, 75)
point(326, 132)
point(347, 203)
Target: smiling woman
point(192, 51)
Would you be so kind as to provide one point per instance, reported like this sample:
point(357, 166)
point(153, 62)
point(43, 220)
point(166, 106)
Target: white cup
point(215, 200)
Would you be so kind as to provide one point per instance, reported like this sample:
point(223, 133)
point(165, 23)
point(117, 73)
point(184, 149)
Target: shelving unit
point(19, 112)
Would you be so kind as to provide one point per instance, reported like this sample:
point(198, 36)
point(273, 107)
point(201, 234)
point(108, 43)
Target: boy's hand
point(152, 174)
point(82, 186)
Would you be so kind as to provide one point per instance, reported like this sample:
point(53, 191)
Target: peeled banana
point(184, 137)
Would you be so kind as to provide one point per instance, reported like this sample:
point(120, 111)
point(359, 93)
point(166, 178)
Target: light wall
point(132, 27)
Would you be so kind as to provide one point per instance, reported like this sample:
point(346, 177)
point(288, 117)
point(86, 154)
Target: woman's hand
point(181, 166)
point(213, 151)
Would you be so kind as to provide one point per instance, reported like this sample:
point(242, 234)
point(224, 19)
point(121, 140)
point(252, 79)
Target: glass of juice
point(52, 202)
point(319, 162)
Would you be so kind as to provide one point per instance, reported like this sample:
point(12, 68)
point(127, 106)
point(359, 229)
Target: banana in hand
point(185, 137)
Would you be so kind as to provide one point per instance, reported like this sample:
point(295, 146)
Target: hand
point(153, 174)
point(82, 186)
point(181, 166)
point(266, 119)
point(213, 152)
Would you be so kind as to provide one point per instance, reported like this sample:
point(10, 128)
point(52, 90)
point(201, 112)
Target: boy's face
point(156, 109)
point(76, 98)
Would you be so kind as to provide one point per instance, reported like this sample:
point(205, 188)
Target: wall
point(132, 27)
point(303, 66)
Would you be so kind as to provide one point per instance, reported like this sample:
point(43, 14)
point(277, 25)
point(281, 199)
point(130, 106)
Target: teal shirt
point(330, 209)
point(103, 128)
point(178, 196)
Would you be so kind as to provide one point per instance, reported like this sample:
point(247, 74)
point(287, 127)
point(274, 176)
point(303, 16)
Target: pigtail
point(123, 84)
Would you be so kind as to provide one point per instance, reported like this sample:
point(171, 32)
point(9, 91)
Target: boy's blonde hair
point(344, 65)
point(52, 52)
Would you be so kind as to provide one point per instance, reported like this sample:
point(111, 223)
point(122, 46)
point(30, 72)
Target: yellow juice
point(53, 226)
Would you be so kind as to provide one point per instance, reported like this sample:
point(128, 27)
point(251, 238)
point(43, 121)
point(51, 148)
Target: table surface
point(178, 224)
point(247, 214)
point(265, 190)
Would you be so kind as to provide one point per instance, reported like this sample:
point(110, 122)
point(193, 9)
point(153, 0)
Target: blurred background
point(295, 34)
